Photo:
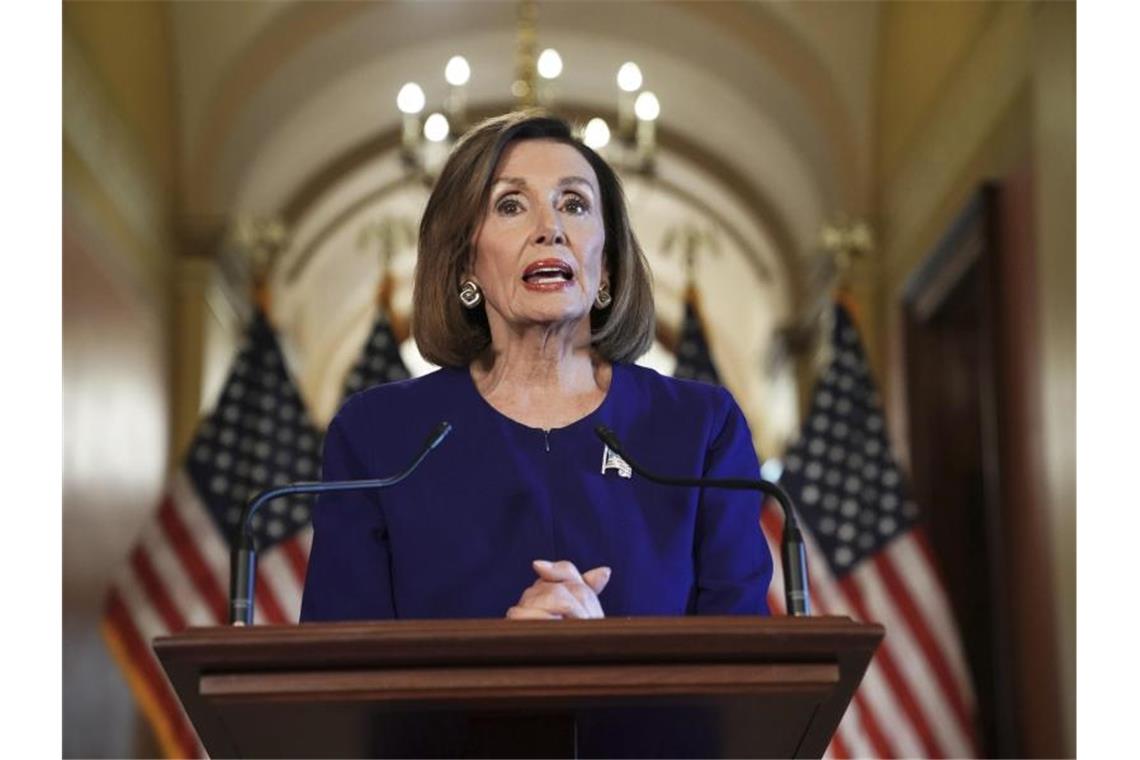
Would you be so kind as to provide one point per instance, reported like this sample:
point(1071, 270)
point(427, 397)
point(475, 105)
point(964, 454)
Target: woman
point(532, 294)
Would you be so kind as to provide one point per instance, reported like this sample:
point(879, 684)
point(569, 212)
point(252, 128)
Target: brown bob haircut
point(450, 335)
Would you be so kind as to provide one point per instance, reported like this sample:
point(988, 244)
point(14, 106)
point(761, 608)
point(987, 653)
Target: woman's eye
point(508, 206)
point(576, 205)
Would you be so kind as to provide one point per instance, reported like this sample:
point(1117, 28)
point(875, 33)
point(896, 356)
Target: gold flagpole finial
point(391, 233)
point(262, 240)
point(846, 242)
point(823, 278)
point(691, 242)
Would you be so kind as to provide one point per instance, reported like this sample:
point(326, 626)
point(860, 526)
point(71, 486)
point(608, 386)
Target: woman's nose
point(549, 231)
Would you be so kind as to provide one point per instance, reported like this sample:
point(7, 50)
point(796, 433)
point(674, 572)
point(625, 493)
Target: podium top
point(724, 638)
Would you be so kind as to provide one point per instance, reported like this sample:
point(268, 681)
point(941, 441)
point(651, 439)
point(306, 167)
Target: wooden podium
point(672, 687)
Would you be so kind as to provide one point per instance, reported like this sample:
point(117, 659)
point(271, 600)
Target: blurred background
point(914, 160)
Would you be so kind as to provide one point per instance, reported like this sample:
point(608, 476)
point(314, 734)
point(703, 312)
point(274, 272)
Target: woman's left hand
point(562, 592)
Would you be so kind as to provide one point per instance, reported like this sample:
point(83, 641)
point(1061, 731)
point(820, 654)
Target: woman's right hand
point(561, 592)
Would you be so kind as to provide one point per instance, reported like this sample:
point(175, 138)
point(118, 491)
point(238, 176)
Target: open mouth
point(548, 272)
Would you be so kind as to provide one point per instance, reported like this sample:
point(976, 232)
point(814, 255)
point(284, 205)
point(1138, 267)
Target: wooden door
point(972, 382)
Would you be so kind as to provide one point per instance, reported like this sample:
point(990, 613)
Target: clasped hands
point(561, 592)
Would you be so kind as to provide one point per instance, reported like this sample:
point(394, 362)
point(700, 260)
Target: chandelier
point(429, 133)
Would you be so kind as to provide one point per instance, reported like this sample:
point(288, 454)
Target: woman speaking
point(534, 297)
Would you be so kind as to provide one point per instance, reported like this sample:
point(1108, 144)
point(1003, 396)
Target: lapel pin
point(611, 461)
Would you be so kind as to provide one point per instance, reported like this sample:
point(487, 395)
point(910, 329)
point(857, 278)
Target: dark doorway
point(972, 379)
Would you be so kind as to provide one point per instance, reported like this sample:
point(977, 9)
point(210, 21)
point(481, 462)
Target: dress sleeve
point(349, 574)
point(733, 563)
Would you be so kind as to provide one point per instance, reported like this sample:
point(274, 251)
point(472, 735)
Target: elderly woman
point(533, 295)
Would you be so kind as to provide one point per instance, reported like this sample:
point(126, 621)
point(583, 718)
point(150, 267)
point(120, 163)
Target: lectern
point(686, 686)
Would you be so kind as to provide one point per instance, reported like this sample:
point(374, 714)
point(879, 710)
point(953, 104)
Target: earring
point(470, 295)
point(603, 299)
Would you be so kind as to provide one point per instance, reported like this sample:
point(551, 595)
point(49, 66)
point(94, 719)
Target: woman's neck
point(542, 379)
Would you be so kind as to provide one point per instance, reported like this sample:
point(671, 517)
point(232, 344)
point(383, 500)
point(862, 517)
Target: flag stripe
point(876, 702)
point(177, 726)
point(297, 557)
point(838, 748)
point(860, 725)
point(775, 606)
point(921, 631)
point(865, 723)
point(912, 666)
point(878, 706)
point(846, 733)
point(211, 546)
point(266, 602)
point(204, 579)
point(207, 557)
point(172, 575)
point(899, 686)
point(155, 591)
point(281, 579)
point(851, 733)
point(925, 586)
point(771, 526)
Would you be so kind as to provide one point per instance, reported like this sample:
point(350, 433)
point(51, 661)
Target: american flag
point(380, 361)
point(258, 436)
point(868, 558)
point(694, 360)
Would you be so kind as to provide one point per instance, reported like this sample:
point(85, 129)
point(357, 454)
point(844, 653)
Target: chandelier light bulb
point(646, 106)
point(411, 99)
point(629, 77)
point(436, 127)
point(457, 72)
point(549, 64)
point(597, 133)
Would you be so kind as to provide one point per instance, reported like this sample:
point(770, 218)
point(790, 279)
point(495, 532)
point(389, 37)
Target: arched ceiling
point(271, 93)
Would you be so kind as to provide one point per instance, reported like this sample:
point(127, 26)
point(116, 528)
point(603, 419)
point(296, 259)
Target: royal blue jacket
point(456, 539)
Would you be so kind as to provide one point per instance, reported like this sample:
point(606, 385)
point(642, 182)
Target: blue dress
point(456, 539)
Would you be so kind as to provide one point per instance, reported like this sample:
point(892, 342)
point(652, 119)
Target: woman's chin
point(553, 315)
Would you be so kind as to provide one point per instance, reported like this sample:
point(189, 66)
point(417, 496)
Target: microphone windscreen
point(437, 435)
point(607, 436)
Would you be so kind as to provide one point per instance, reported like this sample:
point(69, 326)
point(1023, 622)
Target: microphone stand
point(243, 557)
point(793, 555)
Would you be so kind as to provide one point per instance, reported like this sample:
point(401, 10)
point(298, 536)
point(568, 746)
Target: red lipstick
point(547, 275)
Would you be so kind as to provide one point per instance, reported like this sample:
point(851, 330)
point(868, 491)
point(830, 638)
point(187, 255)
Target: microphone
point(794, 557)
point(243, 558)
